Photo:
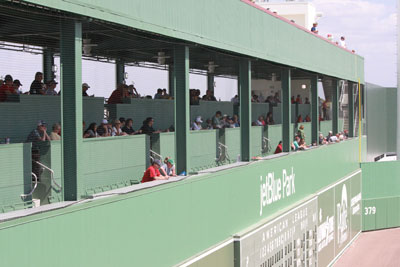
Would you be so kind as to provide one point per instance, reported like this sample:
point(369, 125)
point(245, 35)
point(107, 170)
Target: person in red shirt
point(118, 94)
point(7, 88)
point(279, 148)
point(298, 100)
point(152, 173)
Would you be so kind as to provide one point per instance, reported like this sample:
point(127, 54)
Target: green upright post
point(335, 106)
point(286, 110)
point(71, 108)
point(314, 110)
point(120, 72)
point(351, 108)
point(48, 62)
point(210, 82)
point(245, 108)
point(171, 80)
point(182, 108)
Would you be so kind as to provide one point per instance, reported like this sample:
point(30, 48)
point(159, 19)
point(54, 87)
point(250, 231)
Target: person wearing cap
point(104, 129)
point(314, 28)
point(51, 86)
point(6, 88)
point(85, 87)
point(153, 173)
point(197, 124)
point(37, 85)
point(168, 168)
point(17, 84)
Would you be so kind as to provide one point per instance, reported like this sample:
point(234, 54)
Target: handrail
point(51, 172)
point(33, 189)
point(153, 155)
point(220, 147)
point(266, 144)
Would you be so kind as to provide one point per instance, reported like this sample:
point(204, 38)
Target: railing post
point(48, 62)
point(210, 82)
point(286, 110)
point(314, 110)
point(171, 80)
point(245, 108)
point(350, 93)
point(71, 108)
point(182, 108)
point(120, 72)
point(335, 106)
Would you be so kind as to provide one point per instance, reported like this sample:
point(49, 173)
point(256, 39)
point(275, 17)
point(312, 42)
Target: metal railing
point(266, 145)
point(51, 174)
point(33, 188)
point(223, 152)
point(155, 155)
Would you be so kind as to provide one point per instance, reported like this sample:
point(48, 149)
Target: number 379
point(369, 210)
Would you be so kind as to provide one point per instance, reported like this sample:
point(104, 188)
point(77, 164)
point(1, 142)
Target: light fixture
point(273, 77)
point(211, 67)
point(161, 58)
point(87, 47)
point(303, 86)
point(126, 75)
point(54, 68)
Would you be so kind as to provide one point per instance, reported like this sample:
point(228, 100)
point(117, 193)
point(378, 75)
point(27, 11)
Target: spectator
point(216, 121)
point(295, 145)
point(254, 99)
point(322, 140)
point(165, 95)
point(334, 138)
point(270, 100)
point(342, 42)
point(51, 86)
point(276, 98)
point(35, 137)
point(37, 85)
point(300, 132)
point(119, 94)
point(104, 129)
point(269, 120)
point(314, 28)
point(153, 173)
point(299, 119)
point(307, 101)
point(6, 88)
point(122, 120)
point(147, 127)
point(159, 94)
point(55, 133)
point(298, 100)
point(92, 131)
point(197, 124)
point(209, 125)
point(209, 96)
point(260, 121)
point(292, 100)
point(85, 87)
point(116, 129)
point(236, 121)
point(279, 148)
point(128, 127)
point(17, 84)
point(168, 168)
point(194, 97)
point(235, 99)
point(307, 119)
point(132, 92)
point(325, 107)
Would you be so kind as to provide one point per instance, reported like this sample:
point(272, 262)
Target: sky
point(368, 25)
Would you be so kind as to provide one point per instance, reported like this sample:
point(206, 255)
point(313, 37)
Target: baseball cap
point(52, 82)
point(41, 123)
point(8, 78)
point(157, 161)
point(198, 119)
point(85, 85)
point(17, 82)
point(171, 161)
point(104, 121)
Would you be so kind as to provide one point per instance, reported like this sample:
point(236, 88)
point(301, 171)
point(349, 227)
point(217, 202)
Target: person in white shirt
point(342, 42)
point(197, 124)
point(51, 86)
point(168, 168)
point(116, 130)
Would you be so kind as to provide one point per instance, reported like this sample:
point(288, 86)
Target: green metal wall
point(203, 149)
point(16, 179)
point(185, 218)
point(325, 127)
point(25, 114)
point(225, 24)
point(381, 195)
point(259, 109)
point(381, 120)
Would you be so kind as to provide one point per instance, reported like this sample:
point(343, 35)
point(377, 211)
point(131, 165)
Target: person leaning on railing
point(152, 173)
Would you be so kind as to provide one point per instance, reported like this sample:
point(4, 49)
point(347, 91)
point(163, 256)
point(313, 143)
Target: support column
point(171, 80)
point(120, 72)
point(245, 108)
point(314, 110)
point(286, 110)
point(335, 106)
point(71, 108)
point(210, 82)
point(48, 62)
point(350, 92)
point(182, 108)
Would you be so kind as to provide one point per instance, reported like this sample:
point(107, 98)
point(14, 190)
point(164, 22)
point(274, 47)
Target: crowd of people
point(341, 42)
point(218, 121)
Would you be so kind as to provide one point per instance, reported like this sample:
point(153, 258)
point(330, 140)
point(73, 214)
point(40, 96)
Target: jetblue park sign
point(274, 187)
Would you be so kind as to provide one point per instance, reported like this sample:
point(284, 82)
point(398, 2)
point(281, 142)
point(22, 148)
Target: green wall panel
point(203, 147)
point(275, 136)
point(259, 109)
point(207, 109)
point(304, 110)
point(241, 28)
point(256, 135)
point(231, 138)
point(25, 114)
point(164, 144)
point(16, 168)
point(325, 127)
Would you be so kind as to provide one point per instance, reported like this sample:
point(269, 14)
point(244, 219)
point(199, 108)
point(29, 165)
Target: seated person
point(85, 87)
point(197, 124)
point(152, 173)
point(55, 133)
point(132, 92)
point(123, 121)
point(17, 84)
point(299, 119)
point(255, 99)
point(236, 122)
point(147, 127)
point(128, 127)
point(292, 100)
point(276, 98)
point(209, 96)
point(298, 100)
point(51, 86)
point(269, 120)
point(260, 121)
point(104, 129)
point(307, 119)
point(116, 129)
point(279, 148)
point(209, 124)
point(307, 101)
point(91, 132)
point(165, 95)
point(295, 144)
point(119, 94)
point(334, 138)
point(159, 94)
point(216, 120)
point(168, 168)
point(7, 88)
point(37, 85)
point(322, 140)
point(235, 99)
point(224, 123)
point(302, 145)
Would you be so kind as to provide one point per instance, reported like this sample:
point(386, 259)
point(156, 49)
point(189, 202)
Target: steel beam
point(314, 110)
point(171, 80)
point(48, 62)
point(335, 106)
point(286, 110)
point(120, 72)
point(71, 108)
point(182, 108)
point(210, 82)
point(245, 108)
point(351, 107)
